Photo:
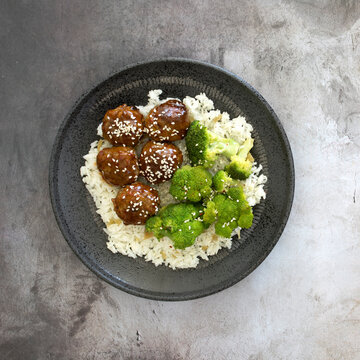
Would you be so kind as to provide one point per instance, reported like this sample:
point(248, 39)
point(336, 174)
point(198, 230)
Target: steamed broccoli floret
point(240, 166)
point(229, 210)
point(174, 215)
point(246, 219)
point(204, 146)
point(210, 213)
point(187, 234)
point(222, 181)
point(154, 225)
point(246, 215)
point(191, 183)
point(228, 213)
point(182, 223)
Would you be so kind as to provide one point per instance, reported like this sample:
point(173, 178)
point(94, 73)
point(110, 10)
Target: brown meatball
point(135, 203)
point(118, 165)
point(159, 161)
point(123, 125)
point(168, 121)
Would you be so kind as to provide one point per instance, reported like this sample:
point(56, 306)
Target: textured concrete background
point(303, 302)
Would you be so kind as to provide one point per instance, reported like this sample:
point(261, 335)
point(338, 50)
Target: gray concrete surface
point(303, 302)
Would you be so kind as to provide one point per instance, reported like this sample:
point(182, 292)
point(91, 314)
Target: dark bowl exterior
point(82, 227)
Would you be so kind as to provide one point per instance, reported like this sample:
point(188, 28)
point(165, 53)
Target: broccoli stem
point(220, 145)
point(245, 148)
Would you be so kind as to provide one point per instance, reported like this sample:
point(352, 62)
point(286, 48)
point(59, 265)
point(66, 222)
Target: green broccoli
point(191, 183)
point(187, 234)
point(222, 181)
point(240, 166)
point(181, 222)
point(246, 215)
point(210, 213)
point(154, 225)
point(246, 219)
point(229, 210)
point(204, 146)
point(228, 213)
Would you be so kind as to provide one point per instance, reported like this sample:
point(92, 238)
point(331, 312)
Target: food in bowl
point(159, 161)
point(118, 165)
point(136, 203)
point(167, 121)
point(194, 182)
point(123, 126)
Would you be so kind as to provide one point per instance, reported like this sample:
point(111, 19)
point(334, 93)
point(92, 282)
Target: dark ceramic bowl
point(75, 210)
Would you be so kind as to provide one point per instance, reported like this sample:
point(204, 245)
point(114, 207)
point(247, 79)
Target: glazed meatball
point(159, 161)
point(123, 126)
point(135, 203)
point(118, 165)
point(168, 121)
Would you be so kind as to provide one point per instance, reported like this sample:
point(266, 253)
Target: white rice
point(131, 240)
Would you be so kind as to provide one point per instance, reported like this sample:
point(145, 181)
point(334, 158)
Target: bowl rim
point(108, 277)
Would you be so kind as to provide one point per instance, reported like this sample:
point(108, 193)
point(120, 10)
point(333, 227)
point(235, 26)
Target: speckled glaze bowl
point(76, 213)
